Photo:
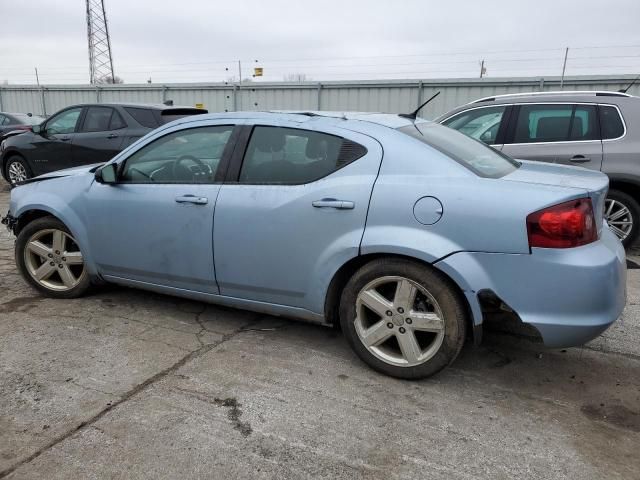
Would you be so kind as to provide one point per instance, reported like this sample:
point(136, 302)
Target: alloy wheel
point(619, 218)
point(399, 321)
point(17, 173)
point(53, 259)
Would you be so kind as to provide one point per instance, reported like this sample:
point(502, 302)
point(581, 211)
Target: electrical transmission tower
point(100, 61)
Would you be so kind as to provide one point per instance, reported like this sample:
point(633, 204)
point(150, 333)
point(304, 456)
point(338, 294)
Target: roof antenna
point(413, 115)
point(624, 90)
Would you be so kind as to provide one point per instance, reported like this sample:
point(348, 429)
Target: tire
point(371, 313)
point(621, 203)
point(17, 170)
point(45, 248)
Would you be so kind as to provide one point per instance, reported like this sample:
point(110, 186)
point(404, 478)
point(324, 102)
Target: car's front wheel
point(402, 318)
point(50, 259)
point(17, 170)
point(622, 213)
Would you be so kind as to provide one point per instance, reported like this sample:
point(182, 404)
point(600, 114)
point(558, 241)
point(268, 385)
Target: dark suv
point(80, 135)
point(597, 130)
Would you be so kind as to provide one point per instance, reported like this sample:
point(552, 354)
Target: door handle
point(64, 139)
point(112, 135)
point(192, 199)
point(579, 159)
point(333, 203)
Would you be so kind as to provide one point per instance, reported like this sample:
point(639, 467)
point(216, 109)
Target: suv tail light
point(568, 224)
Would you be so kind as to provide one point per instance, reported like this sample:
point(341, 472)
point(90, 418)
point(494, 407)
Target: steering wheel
point(204, 168)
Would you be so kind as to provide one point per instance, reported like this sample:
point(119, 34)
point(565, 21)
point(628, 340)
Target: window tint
point(116, 121)
point(584, 125)
point(64, 122)
point(543, 123)
point(610, 122)
point(186, 156)
point(290, 156)
point(473, 154)
point(143, 116)
point(479, 123)
point(97, 119)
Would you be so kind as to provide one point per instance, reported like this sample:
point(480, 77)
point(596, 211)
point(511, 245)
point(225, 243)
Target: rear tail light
point(22, 127)
point(569, 224)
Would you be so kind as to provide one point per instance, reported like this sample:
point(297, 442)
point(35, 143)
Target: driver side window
point(64, 122)
point(185, 156)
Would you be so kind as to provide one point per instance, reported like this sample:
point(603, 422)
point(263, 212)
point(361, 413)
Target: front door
point(556, 133)
point(51, 148)
point(297, 208)
point(155, 225)
point(99, 137)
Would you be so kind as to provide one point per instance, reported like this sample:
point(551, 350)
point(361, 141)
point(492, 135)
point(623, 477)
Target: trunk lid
point(595, 184)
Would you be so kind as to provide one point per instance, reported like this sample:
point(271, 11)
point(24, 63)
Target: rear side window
point(288, 156)
point(116, 121)
point(97, 119)
point(473, 154)
point(479, 123)
point(610, 122)
point(555, 123)
point(143, 116)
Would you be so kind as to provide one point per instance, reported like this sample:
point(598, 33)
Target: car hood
point(67, 172)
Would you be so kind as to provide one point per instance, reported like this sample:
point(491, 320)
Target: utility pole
point(37, 78)
point(239, 71)
point(100, 59)
point(482, 69)
point(564, 67)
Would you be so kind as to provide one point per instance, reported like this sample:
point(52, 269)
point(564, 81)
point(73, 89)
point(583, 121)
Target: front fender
point(27, 198)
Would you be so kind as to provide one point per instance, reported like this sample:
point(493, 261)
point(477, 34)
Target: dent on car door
point(293, 211)
point(155, 224)
point(555, 133)
point(99, 138)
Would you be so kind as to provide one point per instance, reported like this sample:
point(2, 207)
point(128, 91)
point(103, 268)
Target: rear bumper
point(569, 295)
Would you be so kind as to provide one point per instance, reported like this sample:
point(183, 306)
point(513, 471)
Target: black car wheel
point(17, 170)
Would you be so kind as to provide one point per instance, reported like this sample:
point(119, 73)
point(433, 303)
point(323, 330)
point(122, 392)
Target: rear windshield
point(175, 113)
point(471, 153)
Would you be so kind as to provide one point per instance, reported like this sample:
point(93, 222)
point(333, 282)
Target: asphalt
point(128, 384)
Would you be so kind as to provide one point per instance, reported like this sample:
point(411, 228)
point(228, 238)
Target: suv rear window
point(143, 116)
point(172, 114)
point(610, 122)
point(481, 159)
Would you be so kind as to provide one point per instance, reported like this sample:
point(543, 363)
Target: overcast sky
point(198, 40)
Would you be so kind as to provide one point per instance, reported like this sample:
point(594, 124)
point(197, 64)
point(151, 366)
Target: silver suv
point(598, 130)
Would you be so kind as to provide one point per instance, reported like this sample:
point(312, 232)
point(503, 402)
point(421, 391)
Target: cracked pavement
point(130, 384)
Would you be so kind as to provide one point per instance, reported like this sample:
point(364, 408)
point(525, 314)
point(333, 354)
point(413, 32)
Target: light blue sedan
point(402, 231)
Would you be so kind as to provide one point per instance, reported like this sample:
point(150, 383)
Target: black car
point(80, 135)
point(10, 122)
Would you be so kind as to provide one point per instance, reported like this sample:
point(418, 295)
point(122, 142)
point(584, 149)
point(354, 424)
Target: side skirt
point(294, 313)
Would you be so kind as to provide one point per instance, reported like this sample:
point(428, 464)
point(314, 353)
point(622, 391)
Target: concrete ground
point(128, 384)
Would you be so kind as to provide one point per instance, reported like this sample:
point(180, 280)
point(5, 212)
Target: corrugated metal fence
point(368, 96)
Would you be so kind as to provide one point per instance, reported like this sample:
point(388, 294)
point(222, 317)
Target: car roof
point(556, 96)
point(149, 106)
point(390, 120)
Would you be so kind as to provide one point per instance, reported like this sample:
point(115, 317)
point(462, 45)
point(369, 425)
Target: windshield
point(473, 154)
point(28, 119)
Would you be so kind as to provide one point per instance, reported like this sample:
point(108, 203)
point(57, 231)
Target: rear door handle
point(333, 203)
point(192, 199)
point(112, 135)
point(579, 159)
point(64, 139)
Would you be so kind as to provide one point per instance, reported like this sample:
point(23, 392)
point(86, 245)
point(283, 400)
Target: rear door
point(556, 133)
point(99, 138)
point(295, 207)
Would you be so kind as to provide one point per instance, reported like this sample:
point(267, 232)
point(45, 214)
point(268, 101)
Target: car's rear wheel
point(402, 318)
point(622, 213)
point(17, 170)
point(50, 259)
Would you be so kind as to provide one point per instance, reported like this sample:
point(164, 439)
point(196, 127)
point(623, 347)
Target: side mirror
point(107, 174)
point(36, 129)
